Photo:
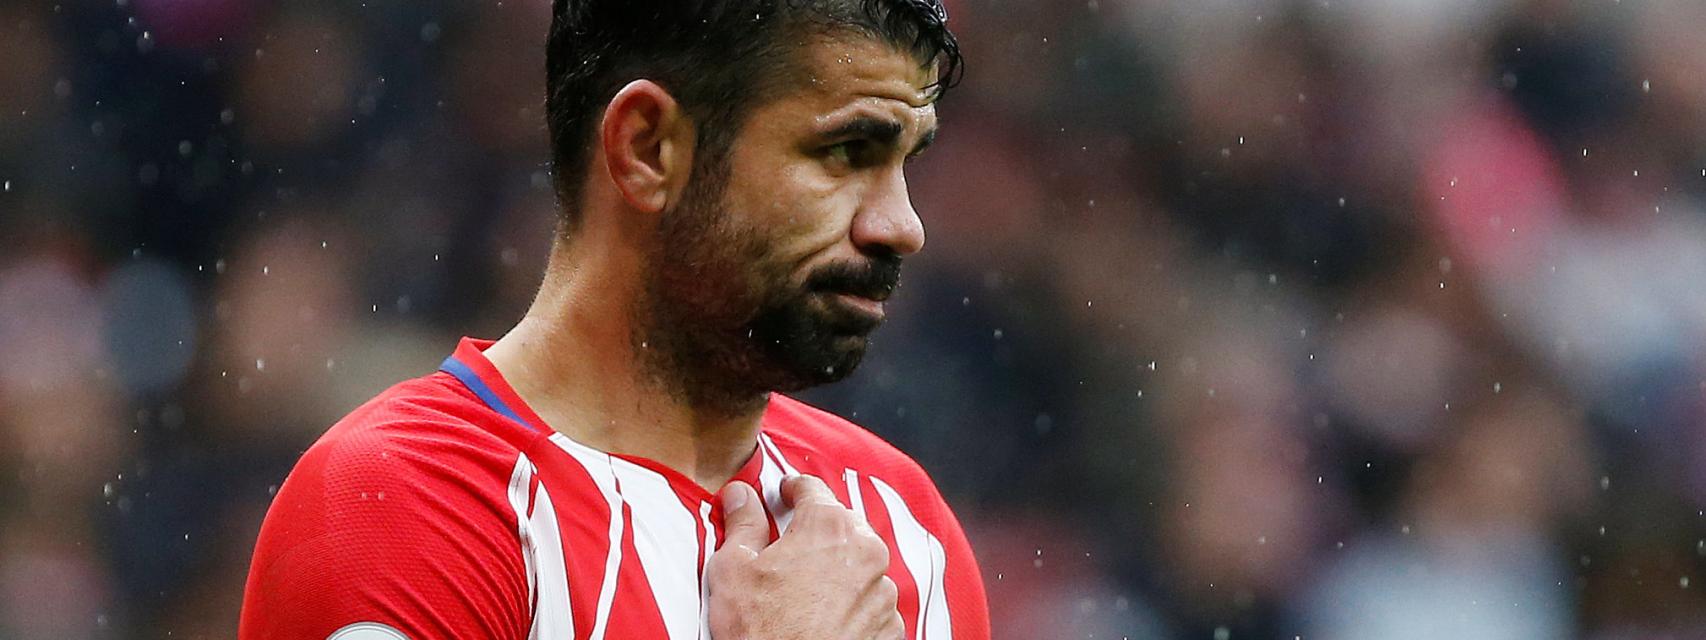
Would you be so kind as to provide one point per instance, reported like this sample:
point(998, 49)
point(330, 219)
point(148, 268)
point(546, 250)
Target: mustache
point(876, 278)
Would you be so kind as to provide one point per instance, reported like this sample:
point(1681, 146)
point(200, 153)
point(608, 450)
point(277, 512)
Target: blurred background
point(1240, 318)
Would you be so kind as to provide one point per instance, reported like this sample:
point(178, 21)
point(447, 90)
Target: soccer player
point(734, 213)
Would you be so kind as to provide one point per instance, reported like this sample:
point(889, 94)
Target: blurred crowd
point(1239, 319)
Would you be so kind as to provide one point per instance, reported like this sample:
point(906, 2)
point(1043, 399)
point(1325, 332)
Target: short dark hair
point(718, 58)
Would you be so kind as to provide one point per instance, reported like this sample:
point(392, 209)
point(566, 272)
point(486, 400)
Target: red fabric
point(397, 515)
point(418, 511)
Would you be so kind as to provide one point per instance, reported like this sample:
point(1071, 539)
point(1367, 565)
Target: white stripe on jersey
point(542, 552)
point(598, 465)
point(770, 476)
point(935, 621)
point(765, 441)
point(855, 493)
point(924, 559)
point(704, 585)
point(552, 617)
point(773, 458)
point(666, 536)
point(519, 482)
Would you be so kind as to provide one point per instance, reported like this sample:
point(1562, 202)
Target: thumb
point(744, 524)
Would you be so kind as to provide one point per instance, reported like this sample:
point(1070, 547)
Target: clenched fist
point(824, 579)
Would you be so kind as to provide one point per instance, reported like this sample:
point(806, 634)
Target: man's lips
point(868, 306)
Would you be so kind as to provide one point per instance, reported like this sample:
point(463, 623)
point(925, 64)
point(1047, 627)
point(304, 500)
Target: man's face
point(772, 275)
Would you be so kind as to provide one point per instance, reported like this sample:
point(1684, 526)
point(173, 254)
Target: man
point(734, 214)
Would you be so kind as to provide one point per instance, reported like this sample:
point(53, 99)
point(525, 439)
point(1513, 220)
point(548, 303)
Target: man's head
point(753, 152)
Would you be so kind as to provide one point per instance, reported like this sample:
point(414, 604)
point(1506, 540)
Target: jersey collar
point(469, 365)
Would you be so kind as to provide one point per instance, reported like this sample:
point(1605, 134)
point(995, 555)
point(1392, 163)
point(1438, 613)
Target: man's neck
point(572, 359)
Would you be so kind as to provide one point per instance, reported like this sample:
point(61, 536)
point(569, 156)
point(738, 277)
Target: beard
point(725, 321)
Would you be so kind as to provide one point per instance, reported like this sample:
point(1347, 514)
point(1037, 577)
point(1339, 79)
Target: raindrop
point(108, 491)
point(1222, 633)
point(260, 364)
point(1647, 87)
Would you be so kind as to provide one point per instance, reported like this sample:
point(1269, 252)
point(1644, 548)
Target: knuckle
point(822, 512)
point(872, 549)
point(765, 572)
point(888, 591)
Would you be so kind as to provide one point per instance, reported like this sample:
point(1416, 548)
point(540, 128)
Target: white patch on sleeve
point(367, 631)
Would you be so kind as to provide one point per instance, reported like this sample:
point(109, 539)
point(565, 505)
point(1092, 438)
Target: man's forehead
point(848, 68)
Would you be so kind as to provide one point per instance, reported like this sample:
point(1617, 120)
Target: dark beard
point(723, 324)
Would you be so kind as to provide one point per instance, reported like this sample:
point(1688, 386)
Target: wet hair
point(717, 58)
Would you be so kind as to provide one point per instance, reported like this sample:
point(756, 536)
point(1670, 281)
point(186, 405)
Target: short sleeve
point(404, 525)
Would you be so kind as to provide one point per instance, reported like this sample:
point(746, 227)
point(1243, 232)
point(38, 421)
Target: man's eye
point(850, 153)
point(841, 153)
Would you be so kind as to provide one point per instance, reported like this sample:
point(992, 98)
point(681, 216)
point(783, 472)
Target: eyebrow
point(880, 130)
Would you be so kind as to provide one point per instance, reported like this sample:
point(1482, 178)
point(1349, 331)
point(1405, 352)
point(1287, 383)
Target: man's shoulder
point(419, 427)
point(829, 443)
point(408, 489)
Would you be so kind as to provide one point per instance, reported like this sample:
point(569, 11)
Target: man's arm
point(404, 528)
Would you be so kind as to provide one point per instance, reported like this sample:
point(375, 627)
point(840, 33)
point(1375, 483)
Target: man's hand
point(822, 580)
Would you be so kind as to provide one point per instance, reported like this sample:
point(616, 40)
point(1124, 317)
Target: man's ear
point(648, 145)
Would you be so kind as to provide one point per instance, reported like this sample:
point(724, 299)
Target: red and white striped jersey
point(445, 508)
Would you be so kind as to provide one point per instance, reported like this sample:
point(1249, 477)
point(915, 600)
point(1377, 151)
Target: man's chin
point(829, 363)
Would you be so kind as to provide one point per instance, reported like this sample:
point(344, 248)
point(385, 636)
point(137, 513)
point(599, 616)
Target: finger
point(894, 629)
point(744, 524)
point(882, 620)
point(802, 490)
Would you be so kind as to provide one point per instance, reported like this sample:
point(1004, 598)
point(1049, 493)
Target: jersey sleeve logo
point(367, 631)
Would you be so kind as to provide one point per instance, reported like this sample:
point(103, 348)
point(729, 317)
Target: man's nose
point(886, 222)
